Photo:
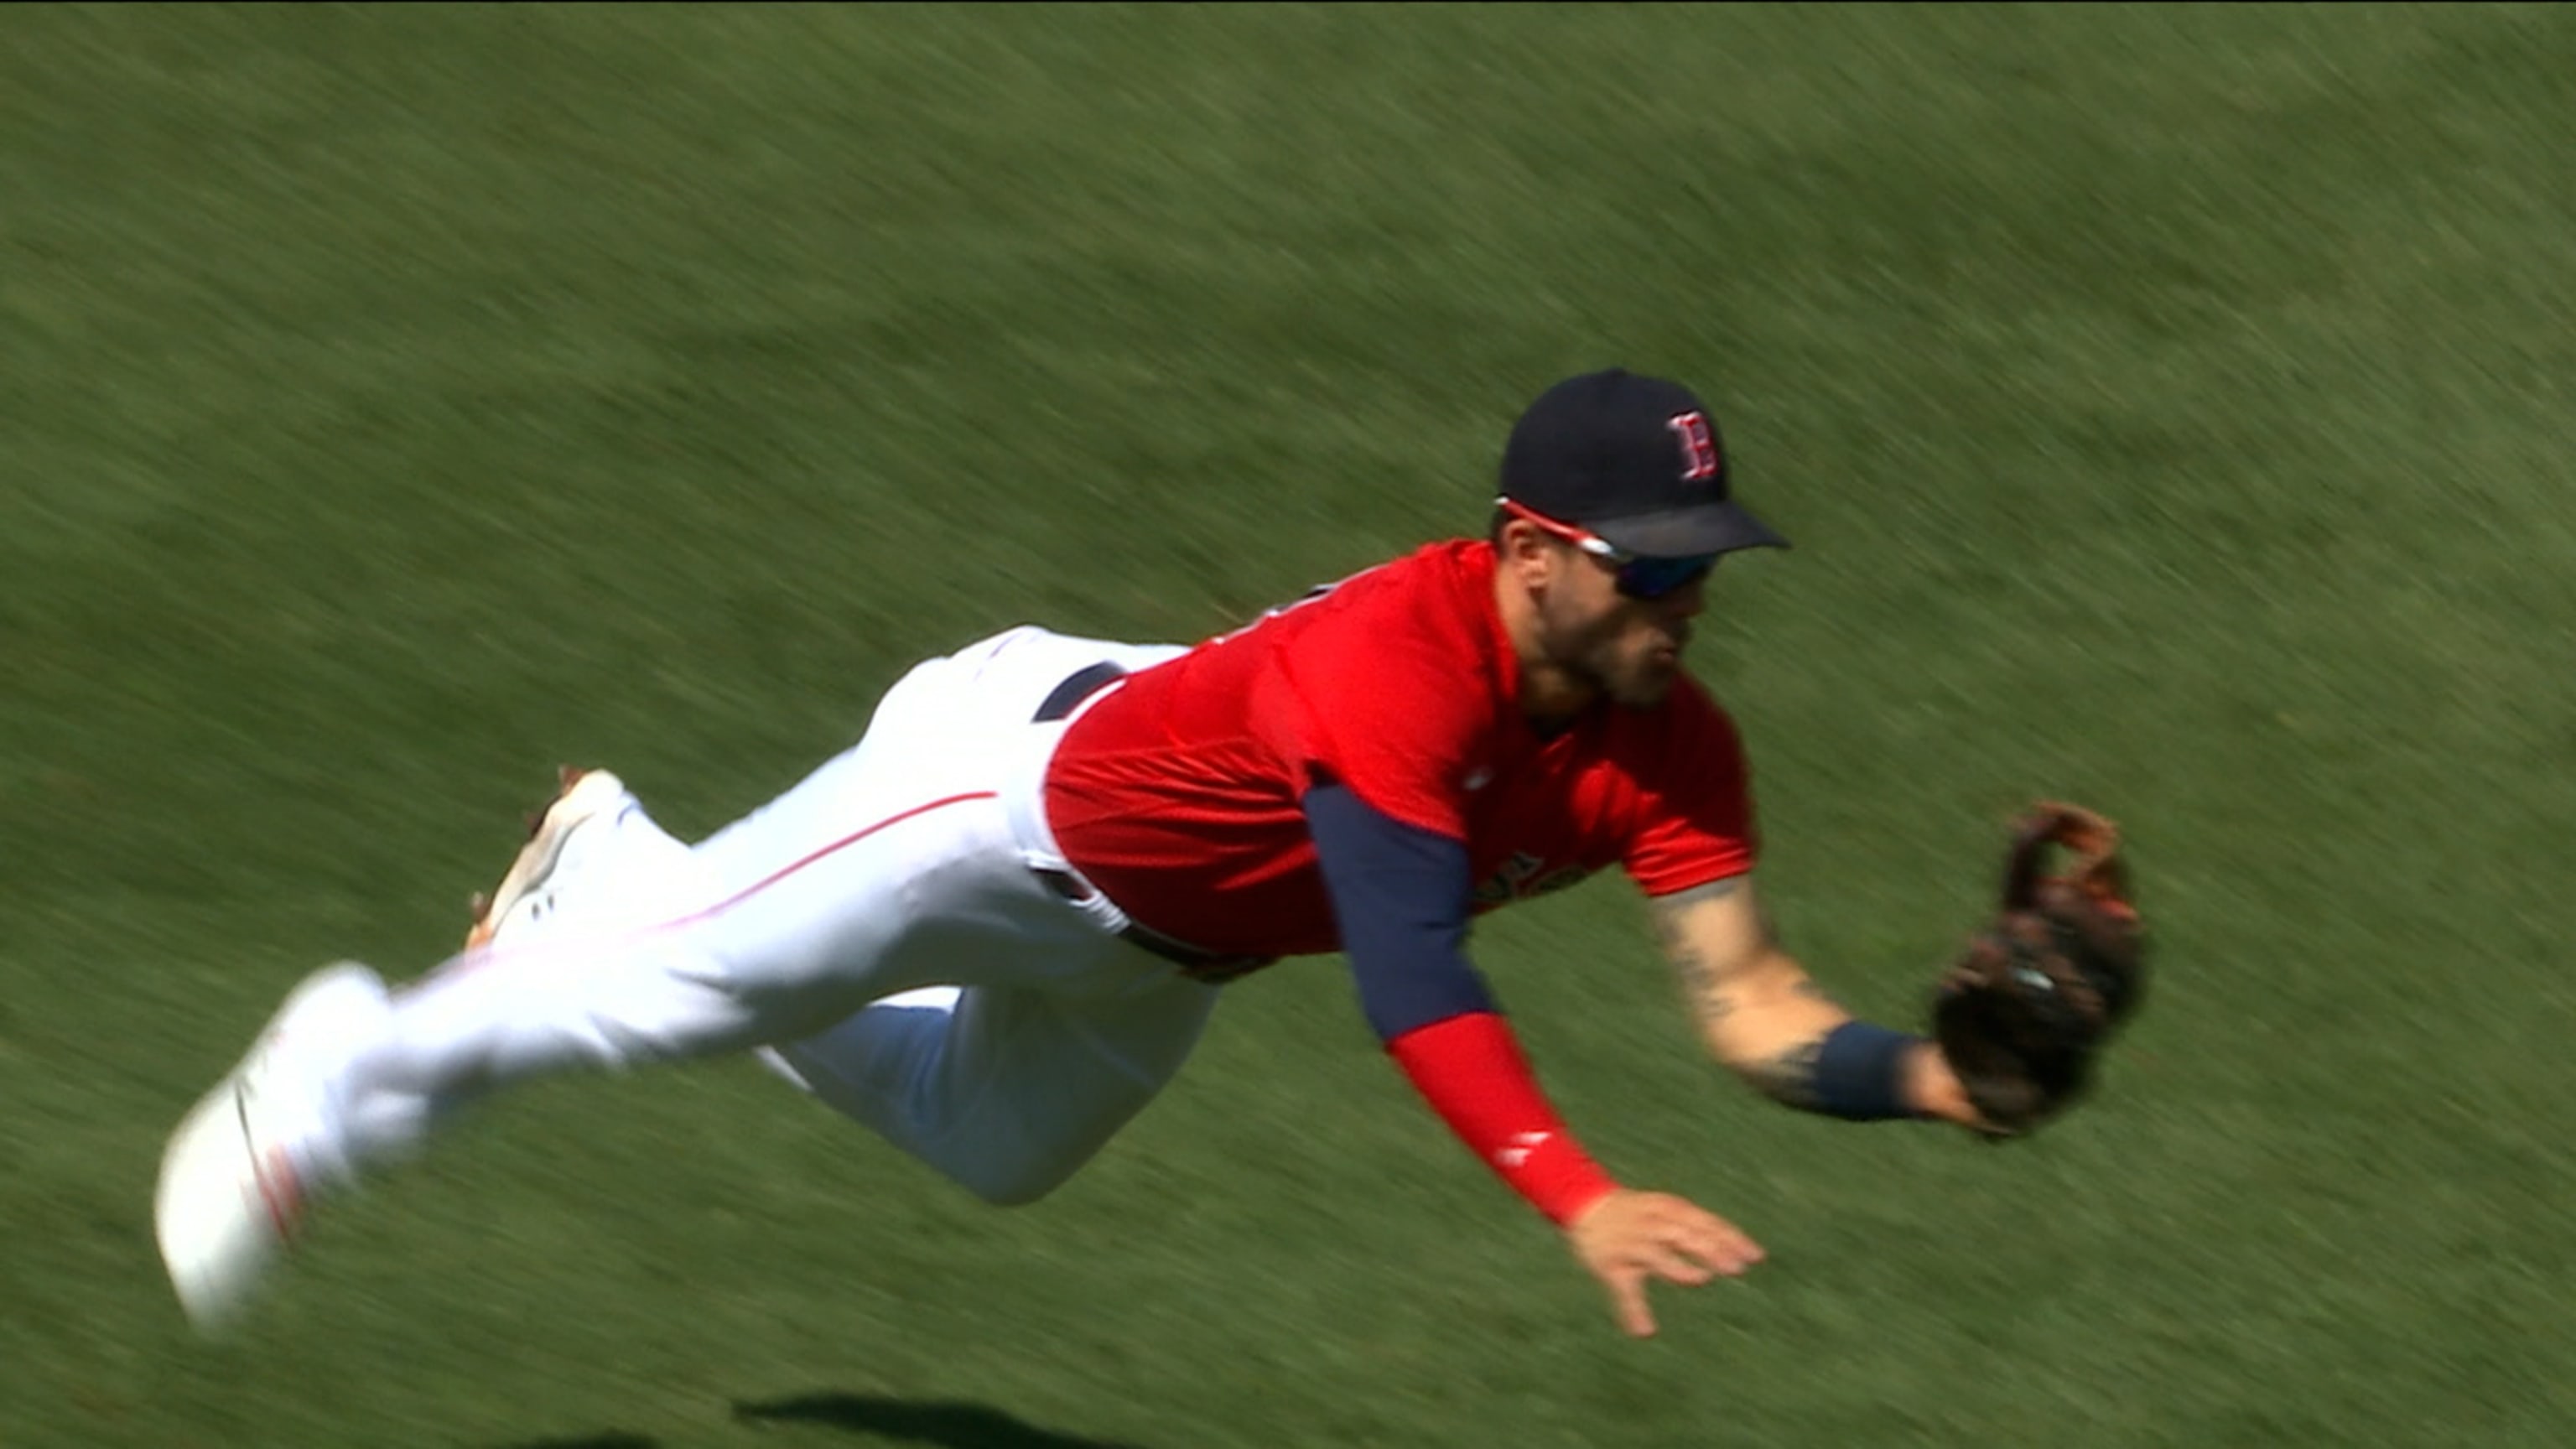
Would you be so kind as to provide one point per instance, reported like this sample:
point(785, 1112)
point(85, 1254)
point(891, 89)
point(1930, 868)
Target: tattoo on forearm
point(1790, 1077)
point(1764, 982)
point(1708, 998)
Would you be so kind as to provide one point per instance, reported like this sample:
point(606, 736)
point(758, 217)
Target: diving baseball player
point(994, 928)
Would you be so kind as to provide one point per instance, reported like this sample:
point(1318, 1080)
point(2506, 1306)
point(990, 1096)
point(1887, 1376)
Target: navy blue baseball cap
point(1636, 460)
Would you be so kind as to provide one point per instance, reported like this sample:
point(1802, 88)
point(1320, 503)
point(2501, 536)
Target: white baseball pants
point(875, 933)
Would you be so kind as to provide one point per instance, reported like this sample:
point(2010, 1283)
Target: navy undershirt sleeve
point(1400, 894)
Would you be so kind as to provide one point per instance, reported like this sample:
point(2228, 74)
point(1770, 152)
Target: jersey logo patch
point(1699, 445)
point(1517, 1156)
point(1525, 877)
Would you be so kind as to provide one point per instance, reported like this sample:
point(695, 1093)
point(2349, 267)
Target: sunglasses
point(1639, 575)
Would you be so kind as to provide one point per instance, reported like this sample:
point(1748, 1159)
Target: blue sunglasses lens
point(1652, 578)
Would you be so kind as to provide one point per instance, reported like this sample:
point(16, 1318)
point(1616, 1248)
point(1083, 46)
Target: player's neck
point(1553, 698)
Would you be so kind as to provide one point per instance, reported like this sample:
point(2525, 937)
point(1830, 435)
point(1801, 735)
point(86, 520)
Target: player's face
point(1630, 649)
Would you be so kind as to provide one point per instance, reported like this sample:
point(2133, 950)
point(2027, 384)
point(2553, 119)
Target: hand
point(1628, 1237)
point(1933, 1089)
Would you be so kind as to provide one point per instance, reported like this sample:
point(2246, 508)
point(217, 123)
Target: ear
point(1524, 550)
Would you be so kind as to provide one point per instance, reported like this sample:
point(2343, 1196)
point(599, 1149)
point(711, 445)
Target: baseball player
point(994, 928)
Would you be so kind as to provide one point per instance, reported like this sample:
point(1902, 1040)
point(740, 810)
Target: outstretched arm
point(1767, 1020)
point(1400, 896)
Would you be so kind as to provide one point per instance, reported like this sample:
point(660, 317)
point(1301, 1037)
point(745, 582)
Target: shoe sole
point(582, 795)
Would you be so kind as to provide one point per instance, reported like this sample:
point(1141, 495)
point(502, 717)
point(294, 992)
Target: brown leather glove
point(2027, 1007)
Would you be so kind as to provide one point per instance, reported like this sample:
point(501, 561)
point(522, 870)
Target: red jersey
point(1177, 794)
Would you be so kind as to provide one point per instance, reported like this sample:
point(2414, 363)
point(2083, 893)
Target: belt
point(1078, 686)
point(1196, 963)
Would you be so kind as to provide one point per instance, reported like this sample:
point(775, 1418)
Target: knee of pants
point(1014, 1184)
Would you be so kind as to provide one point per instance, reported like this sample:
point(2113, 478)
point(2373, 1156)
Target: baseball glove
point(2027, 1007)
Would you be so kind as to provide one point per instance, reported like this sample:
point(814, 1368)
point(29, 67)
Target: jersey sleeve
point(1695, 800)
point(1401, 899)
point(1375, 700)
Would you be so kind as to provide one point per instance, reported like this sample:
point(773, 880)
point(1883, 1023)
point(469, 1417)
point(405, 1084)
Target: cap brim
point(1689, 532)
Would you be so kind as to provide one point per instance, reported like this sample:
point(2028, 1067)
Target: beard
point(1635, 667)
point(1641, 680)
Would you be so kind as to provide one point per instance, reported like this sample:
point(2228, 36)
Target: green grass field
point(2171, 407)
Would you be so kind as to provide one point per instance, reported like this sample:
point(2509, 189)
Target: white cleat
point(525, 895)
point(232, 1193)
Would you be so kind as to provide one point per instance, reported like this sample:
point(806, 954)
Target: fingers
point(1735, 1251)
point(1628, 1301)
point(1675, 1265)
point(1640, 1238)
point(1689, 1265)
point(1715, 1243)
point(1665, 1262)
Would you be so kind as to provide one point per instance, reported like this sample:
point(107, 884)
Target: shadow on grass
point(591, 1441)
point(948, 1426)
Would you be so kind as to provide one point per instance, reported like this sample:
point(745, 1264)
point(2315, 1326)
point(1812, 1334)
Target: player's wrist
point(1863, 1072)
point(1559, 1179)
point(1470, 1070)
point(1579, 1208)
